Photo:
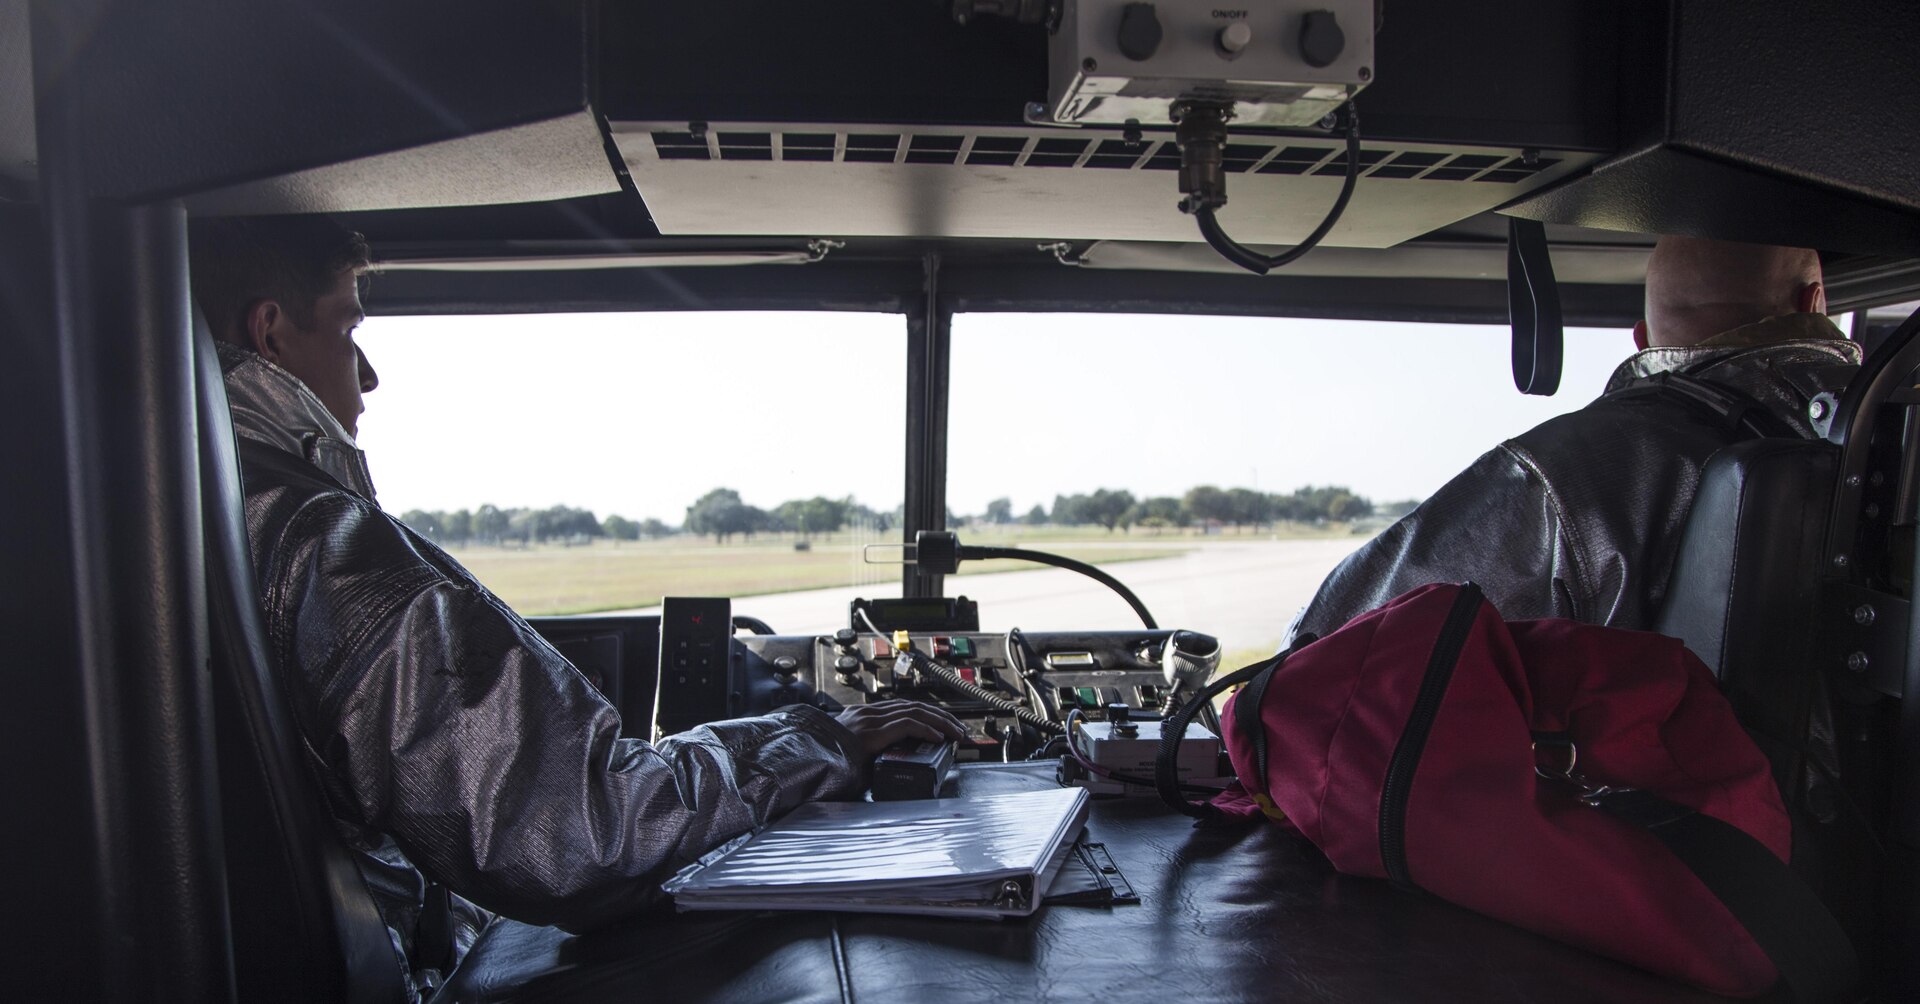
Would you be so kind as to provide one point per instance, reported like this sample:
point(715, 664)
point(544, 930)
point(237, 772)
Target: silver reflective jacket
point(1580, 516)
point(446, 734)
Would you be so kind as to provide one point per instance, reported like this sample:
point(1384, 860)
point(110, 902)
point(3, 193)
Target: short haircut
point(292, 260)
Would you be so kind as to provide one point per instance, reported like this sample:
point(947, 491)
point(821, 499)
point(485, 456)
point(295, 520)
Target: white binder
point(987, 856)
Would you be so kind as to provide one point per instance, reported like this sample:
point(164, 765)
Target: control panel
point(1048, 674)
point(1278, 63)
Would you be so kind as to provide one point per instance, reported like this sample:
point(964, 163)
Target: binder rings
point(987, 856)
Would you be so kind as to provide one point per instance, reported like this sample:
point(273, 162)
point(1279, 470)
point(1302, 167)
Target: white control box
point(1108, 747)
point(1279, 63)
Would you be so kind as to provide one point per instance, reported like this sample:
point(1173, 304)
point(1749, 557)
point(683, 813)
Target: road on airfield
point(1243, 592)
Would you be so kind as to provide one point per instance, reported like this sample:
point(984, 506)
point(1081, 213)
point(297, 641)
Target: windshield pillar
point(929, 368)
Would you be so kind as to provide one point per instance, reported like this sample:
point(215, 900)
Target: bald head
point(1699, 288)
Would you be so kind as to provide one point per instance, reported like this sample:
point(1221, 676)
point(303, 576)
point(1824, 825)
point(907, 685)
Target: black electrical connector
point(940, 552)
point(1200, 130)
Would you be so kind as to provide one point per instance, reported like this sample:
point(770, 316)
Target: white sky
point(640, 414)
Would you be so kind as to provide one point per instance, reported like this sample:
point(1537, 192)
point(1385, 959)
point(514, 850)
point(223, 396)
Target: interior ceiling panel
point(1052, 184)
point(560, 158)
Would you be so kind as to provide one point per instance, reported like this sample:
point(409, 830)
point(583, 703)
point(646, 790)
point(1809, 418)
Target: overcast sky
point(639, 414)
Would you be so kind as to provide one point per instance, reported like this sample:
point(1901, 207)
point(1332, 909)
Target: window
point(564, 459)
point(1220, 466)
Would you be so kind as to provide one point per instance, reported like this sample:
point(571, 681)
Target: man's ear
point(1812, 298)
point(1640, 334)
point(264, 329)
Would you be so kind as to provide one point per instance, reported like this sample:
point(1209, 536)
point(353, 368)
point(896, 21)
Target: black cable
point(957, 682)
point(1260, 264)
point(975, 691)
point(973, 553)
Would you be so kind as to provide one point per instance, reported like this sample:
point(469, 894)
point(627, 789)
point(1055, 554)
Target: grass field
point(607, 576)
point(611, 576)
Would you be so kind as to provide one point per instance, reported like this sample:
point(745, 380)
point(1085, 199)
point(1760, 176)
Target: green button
point(1089, 698)
point(963, 648)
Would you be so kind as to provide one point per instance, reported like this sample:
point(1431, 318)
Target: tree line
point(1201, 505)
point(723, 515)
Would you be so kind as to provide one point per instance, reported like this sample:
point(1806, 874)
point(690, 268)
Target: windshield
point(1218, 465)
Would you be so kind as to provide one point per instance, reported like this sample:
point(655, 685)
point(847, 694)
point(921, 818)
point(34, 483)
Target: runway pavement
point(1243, 592)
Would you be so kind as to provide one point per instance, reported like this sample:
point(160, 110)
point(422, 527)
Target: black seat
point(1748, 571)
point(1792, 583)
point(305, 927)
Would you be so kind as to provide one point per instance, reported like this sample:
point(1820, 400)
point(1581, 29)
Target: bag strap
point(1789, 923)
point(1166, 775)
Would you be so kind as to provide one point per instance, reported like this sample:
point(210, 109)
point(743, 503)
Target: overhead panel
point(558, 158)
point(1052, 183)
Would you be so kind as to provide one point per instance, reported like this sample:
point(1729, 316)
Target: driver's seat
point(305, 928)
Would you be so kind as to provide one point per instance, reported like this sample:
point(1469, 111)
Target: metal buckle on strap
point(1557, 771)
point(1564, 770)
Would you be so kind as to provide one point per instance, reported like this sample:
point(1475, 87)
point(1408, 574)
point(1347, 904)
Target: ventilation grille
point(1280, 156)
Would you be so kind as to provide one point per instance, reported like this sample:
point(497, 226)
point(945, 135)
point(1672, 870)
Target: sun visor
point(1052, 183)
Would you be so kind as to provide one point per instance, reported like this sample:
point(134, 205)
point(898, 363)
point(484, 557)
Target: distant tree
point(620, 528)
point(1036, 516)
point(814, 515)
point(1209, 504)
point(1344, 506)
point(1108, 508)
point(490, 524)
point(1000, 511)
point(526, 525)
point(1248, 507)
point(458, 526)
point(1069, 510)
point(756, 520)
point(426, 524)
point(720, 513)
point(1159, 513)
point(653, 529)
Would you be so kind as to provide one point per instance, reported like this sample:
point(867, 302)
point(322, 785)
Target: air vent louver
point(949, 149)
point(894, 180)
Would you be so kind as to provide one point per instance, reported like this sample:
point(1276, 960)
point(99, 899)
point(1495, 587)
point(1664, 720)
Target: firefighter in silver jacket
point(1580, 516)
point(449, 739)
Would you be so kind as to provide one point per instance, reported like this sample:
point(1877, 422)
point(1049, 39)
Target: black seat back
point(305, 927)
point(1748, 570)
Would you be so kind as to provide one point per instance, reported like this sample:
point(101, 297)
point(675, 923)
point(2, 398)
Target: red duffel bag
point(1587, 783)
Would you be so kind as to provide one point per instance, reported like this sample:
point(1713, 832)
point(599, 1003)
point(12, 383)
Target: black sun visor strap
point(1533, 309)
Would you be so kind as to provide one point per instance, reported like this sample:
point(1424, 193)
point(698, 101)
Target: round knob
point(846, 664)
point(1140, 31)
point(786, 664)
point(1118, 713)
point(1234, 37)
point(1321, 40)
point(845, 637)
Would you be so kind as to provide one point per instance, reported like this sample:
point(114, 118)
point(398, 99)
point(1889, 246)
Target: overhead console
point(1052, 183)
point(1772, 121)
point(1053, 120)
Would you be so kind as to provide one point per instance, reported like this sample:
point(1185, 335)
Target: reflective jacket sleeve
point(437, 716)
point(1495, 524)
